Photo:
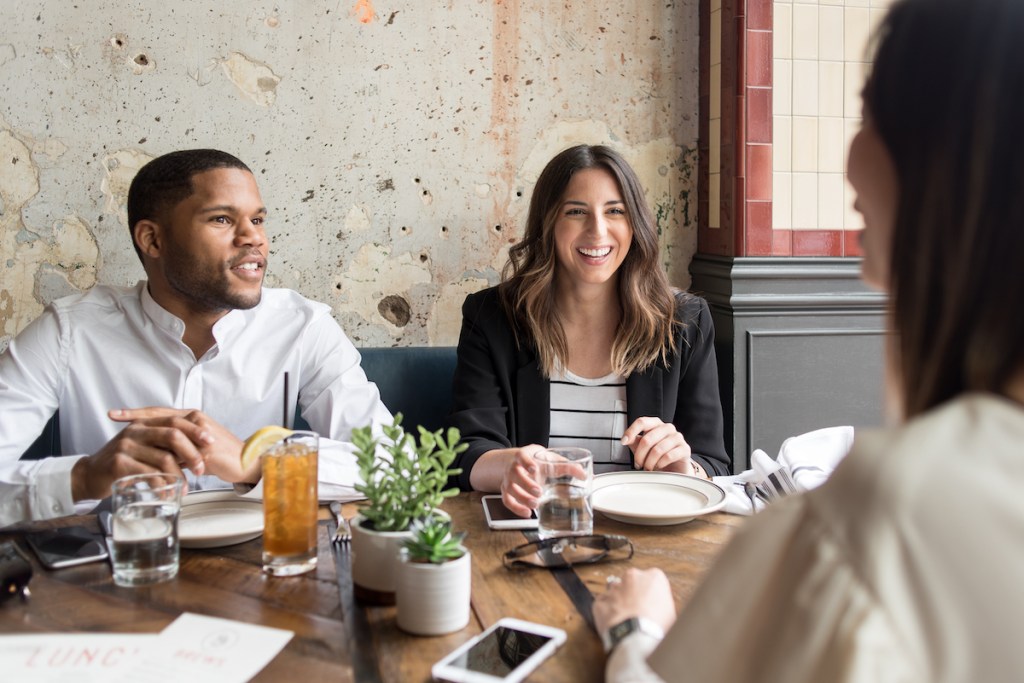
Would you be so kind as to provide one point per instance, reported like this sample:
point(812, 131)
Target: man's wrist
point(78, 479)
point(620, 631)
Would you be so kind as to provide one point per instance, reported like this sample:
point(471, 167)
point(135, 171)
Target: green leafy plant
point(408, 483)
point(433, 541)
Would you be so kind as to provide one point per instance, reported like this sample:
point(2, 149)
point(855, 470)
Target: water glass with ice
point(144, 540)
point(566, 476)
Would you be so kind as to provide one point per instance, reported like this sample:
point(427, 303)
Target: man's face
point(214, 247)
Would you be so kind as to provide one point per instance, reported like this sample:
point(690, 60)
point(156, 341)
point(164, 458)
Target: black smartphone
point(67, 547)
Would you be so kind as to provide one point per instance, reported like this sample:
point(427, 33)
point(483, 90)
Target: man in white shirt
point(172, 374)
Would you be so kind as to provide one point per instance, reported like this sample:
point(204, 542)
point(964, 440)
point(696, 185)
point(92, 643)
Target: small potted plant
point(433, 582)
point(403, 481)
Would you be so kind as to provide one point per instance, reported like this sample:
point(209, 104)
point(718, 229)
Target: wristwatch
point(617, 633)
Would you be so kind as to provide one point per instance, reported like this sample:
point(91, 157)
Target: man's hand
point(163, 443)
point(219, 450)
point(161, 440)
point(640, 593)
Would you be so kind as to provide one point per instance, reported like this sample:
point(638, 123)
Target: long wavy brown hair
point(946, 95)
point(527, 292)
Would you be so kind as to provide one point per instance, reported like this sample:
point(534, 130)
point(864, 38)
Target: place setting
point(571, 494)
point(630, 497)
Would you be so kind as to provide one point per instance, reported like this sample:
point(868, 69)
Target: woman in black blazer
point(585, 343)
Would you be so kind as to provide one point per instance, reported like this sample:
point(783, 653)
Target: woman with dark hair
point(584, 343)
point(906, 565)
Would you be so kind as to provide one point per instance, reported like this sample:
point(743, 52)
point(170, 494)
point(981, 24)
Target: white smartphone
point(508, 651)
point(500, 517)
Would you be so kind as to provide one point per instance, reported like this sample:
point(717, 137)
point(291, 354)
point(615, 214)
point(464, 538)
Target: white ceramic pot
point(374, 562)
point(433, 599)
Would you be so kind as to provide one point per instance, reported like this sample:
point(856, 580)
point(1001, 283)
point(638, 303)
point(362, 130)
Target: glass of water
point(566, 476)
point(144, 525)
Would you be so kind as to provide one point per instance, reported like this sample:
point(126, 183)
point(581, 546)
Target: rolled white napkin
point(812, 457)
point(805, 462)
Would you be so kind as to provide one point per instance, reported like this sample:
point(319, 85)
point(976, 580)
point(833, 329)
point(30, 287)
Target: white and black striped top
point(591, 414)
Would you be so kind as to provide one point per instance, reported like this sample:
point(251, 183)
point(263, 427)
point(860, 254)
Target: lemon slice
point(261, 440)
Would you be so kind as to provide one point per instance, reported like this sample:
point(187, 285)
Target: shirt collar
point(223, 329)
point(159, 315)
point(230, 324)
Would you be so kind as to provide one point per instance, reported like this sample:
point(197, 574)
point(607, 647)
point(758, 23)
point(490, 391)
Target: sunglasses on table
point(567, 551)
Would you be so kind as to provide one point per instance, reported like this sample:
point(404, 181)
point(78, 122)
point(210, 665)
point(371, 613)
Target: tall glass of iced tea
point(290, 504)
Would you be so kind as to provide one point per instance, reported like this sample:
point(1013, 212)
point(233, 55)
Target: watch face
point(623, 629)
point(619, 631)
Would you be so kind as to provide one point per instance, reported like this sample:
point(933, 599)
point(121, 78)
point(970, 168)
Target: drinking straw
point(285, 423)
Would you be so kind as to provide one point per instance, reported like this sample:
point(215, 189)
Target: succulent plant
point(433, 541)
point(408, 484)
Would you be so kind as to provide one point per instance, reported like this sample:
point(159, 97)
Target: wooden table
point(228, 582)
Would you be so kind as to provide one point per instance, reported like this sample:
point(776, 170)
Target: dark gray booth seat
point(413, 380)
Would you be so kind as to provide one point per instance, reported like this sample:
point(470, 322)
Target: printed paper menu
point(193, 648)
point(83, 658)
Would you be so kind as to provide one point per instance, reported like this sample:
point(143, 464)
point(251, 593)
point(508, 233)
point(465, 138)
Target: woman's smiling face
point(592, 231)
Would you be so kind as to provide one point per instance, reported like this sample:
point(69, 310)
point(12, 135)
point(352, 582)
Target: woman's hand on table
point(520, 490)
point(513, 473)
point(659, 446)
point(638, 593)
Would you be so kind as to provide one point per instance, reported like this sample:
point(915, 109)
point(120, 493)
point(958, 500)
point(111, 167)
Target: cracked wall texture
point(395, 144)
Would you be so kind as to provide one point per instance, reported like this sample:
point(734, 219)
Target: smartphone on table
point(67, 547)
point(507, 652)
point(500, 517)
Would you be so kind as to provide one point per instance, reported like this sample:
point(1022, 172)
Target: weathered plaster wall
point(396, 143)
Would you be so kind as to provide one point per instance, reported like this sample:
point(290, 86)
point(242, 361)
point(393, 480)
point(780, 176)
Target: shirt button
point(56, 507)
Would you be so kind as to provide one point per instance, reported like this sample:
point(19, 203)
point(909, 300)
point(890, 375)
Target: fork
point(343, 534)
point(751, 491)
point(765, 491)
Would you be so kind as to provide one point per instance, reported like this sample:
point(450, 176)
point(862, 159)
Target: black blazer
point(501, 399)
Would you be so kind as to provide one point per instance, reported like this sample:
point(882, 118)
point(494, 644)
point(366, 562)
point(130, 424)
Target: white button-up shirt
point(115, 347)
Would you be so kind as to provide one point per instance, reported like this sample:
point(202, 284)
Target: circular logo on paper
point(220, 640)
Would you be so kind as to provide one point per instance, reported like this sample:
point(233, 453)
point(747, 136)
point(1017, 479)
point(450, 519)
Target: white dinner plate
point(655, 498)
point(210, 519)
